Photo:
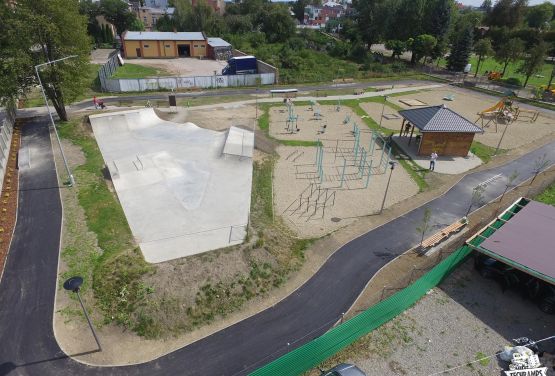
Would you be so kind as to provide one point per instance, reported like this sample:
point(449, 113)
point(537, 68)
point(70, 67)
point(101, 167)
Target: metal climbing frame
point(292, 119)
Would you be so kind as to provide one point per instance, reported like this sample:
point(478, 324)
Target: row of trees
point(37, 31)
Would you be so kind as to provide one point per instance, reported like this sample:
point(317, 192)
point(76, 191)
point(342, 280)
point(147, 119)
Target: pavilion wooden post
point(402, 127)
point(411, 131)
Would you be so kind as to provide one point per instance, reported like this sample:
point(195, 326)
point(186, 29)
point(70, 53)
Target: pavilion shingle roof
point(439, 119)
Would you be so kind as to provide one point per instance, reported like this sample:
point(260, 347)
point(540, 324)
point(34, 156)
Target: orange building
point(163, 45)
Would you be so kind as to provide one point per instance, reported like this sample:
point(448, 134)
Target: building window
point(154, 20)
point(196, 45)
point(168, 46)
point(145, 46)
point(144, 18)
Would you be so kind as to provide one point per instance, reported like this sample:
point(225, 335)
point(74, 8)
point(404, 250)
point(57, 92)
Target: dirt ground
point(468, 104)
point(339, 205)
point(184, 66)
point(456, 323)
point(125, 347)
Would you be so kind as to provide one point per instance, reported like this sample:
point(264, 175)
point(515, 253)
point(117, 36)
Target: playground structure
point(505, 111)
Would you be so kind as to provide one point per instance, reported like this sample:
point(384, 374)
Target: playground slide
point(498, 106)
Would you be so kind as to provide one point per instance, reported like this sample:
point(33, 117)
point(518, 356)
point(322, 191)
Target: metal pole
point(501, 139)
point(89, 321)
point(343, 172)
point(386, 189)
point(383, 107)
point(71, 178)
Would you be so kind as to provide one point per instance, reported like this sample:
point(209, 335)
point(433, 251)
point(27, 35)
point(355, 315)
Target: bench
point(359, 91)
point(444, 233)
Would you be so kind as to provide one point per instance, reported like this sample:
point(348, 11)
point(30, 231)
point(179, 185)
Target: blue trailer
point(241, 65)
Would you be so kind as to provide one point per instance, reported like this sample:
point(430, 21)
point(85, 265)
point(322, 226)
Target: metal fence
point(7, 119)
point(176, 83)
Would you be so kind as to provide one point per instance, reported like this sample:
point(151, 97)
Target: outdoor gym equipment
point(312, 198)
point(292, 118)
point(531, 115)
point(338, 107)
point(347, 119)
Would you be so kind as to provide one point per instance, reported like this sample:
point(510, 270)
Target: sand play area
point(467, 103)
point(184, 189)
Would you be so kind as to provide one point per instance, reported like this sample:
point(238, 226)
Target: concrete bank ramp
point(184, 189)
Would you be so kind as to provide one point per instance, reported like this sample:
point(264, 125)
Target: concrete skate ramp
point(180, 193)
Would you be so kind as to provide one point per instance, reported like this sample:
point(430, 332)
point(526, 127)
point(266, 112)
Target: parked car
point(343, 369)
point(507, 276)
point(542, 293)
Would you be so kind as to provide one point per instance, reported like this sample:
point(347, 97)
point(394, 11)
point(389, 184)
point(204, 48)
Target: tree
point(298, 8)
point(424, 225)
point(540, 164)
point(509, 183)
point(461, 49)
point(483, 49)
point(370, 20)
point(534, 61)
point(507, 13)
point(539, 16)
point(136, 25)
point(408, 19)
point(396, 46)
point(508, 52)
point(276, 23)
point(117, 13)
point(37, 31)
point(477, 197)
point(423, 46)
point(486, 6)
point(437, 19)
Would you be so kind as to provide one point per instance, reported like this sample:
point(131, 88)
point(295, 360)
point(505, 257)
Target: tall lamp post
point(71, 179)
point(392, 167)
point(383, 107)
point(73, 284)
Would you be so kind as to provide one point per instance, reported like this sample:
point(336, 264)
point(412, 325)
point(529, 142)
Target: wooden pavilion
point(441, 130)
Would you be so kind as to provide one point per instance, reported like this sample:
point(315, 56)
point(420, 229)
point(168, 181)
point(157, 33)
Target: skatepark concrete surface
point(184, 189)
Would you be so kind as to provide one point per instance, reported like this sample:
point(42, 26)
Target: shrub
point(514, 81)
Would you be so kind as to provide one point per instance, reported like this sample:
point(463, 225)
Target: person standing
point(433, 159)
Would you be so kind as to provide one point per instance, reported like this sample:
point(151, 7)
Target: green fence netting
point(313, 353)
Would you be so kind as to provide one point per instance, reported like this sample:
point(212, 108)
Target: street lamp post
point(71, 179)
point(73, 284)
point(383, 107)
point(392, 164)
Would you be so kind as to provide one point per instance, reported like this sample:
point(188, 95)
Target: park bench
point(443, 234)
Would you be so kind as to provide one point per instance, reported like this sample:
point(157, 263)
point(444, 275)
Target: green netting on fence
point(313, 353)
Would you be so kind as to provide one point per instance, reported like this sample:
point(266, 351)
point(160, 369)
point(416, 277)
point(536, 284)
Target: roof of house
point(439, 119)
point(526, 240)
point(218, 42)
point(160, 35)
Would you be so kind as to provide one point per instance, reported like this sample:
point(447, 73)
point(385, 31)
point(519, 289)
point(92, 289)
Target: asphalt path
point(27, 290)
point(230, 92)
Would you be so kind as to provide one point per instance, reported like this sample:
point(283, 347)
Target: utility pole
point(392, 164)
point(71, 179)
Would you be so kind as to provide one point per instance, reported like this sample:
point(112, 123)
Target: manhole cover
point(335, 219)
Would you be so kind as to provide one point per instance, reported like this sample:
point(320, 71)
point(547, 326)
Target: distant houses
point(317, 16)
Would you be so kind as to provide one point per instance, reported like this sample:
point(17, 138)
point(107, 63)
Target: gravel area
point(464, 319)
point(185, 66)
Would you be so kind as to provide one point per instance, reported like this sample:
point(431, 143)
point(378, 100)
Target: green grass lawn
point(138, 71)
point(547, 196)
point(490, 64)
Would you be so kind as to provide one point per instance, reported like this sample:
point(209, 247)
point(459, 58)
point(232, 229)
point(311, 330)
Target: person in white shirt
point(433, 159)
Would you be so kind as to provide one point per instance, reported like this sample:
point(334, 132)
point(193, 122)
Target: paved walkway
point(29, 284)
point(444, 164)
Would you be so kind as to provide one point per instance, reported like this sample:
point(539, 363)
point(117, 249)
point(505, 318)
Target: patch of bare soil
point(8, 207)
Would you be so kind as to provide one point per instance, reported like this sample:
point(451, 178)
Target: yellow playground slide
point(498, 106)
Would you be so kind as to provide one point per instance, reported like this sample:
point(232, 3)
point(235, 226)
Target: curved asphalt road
point(28, 347)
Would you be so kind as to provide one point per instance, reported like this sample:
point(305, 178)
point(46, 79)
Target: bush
point(513, 81)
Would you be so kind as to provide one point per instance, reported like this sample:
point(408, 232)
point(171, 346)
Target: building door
point(184, 50)
point(138, 50)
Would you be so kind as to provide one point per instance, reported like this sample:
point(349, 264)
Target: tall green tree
point(509, 13)
point(509, 52)
point(437, 18)
point(370, 20)
point(539, 16)
point(408, 19)
point(461, 49)
point(298, 9)
point(482, 49)
point(39, 31)
point(396, 46)
point(118, 14)
point(275, 21)
point(486, 6)
point(534, 61)
point(423, 46)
